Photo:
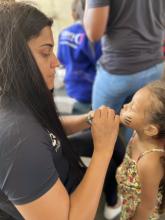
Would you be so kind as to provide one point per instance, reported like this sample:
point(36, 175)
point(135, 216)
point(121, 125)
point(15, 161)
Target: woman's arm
point(87, 194)
point(150, 173)
point(83, 202)
point(53, 205)
point(75, 123)
point(95, 21)
point(81, 205)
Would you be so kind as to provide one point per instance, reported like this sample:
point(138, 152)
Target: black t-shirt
point(31, 159)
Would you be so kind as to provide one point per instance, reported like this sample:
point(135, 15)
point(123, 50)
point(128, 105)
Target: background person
point(78, 56)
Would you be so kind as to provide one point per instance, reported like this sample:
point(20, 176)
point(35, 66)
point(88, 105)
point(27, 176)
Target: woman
point(40, 177)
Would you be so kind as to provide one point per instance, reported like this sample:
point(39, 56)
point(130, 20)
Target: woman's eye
point(46, 54)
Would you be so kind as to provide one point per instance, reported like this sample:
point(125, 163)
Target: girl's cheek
point(126, 119)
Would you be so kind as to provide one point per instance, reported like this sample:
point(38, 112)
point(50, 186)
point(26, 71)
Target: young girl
point(141, 176)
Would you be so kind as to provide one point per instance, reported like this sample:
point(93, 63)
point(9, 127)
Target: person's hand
point(105, 127)
point(89, 117)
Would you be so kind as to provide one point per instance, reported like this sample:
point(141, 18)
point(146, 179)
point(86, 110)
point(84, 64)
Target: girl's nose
point(54, 62)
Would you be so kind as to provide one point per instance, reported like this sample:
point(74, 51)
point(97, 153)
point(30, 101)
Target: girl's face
point(42, 50)
point(135, 114)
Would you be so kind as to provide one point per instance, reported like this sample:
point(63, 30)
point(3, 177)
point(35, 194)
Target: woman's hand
point(105, 127)
point(89, 117)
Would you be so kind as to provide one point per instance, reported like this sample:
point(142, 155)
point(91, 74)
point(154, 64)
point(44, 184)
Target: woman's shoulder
point(26, 154)
point(18, 126)
point(17, 114)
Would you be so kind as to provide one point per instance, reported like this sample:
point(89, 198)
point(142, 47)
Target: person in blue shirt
point(79, 57)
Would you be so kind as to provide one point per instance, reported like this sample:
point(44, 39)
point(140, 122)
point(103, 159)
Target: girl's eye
point(133, 107)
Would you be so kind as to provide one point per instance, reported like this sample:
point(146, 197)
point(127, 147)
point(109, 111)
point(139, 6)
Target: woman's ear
point(151, 130)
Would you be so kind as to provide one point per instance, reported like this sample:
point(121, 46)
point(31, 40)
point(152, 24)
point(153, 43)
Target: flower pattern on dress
point(130, 188)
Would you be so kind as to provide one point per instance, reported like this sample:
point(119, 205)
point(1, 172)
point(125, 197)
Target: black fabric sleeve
point(30, 171)
point(98, 3)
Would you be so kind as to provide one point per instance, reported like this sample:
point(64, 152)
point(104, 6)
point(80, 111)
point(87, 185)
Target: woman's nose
point(54, 62)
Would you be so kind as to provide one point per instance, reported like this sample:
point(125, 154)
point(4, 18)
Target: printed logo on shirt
point(55, 142)
point(71, 39)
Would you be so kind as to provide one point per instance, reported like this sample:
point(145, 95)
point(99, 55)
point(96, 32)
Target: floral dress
point(130, 188)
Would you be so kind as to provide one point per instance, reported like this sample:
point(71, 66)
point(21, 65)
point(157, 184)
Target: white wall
point(60, 9)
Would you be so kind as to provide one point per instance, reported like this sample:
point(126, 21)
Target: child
point(141, 176)
point(79, 56)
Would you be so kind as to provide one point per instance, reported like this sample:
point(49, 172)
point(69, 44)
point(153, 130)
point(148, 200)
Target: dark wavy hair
point(20, 77)
point(157, 117)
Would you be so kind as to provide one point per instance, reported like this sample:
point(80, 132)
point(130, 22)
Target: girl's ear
point(151, 130)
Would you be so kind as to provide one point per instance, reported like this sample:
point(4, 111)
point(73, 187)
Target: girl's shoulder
point(149, 165)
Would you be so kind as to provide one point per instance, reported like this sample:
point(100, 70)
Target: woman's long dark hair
point(20, 77)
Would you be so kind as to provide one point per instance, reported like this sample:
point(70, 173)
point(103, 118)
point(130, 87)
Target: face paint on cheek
point(128, 120)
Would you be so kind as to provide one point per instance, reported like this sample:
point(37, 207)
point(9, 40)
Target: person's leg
point(142, 78)
point(114, 90)
point(82, 143)
point(108, 89)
